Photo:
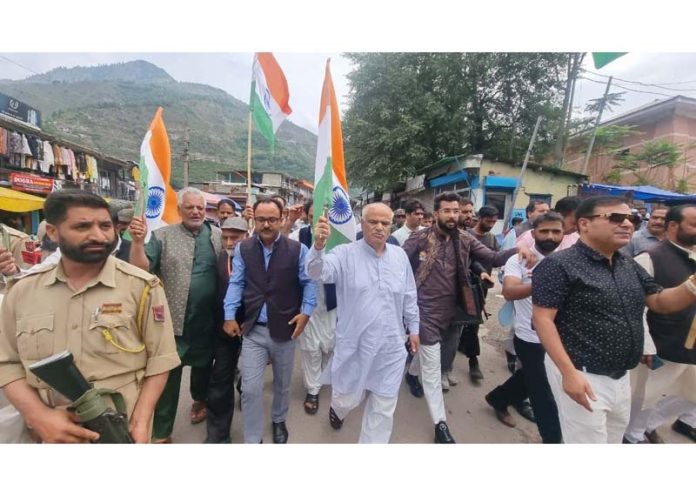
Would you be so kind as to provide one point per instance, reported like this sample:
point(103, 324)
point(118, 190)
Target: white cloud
point(228, 71)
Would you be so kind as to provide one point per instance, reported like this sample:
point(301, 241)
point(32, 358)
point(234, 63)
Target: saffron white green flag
point(270, 97)
point(330, 185)
point(158, 201)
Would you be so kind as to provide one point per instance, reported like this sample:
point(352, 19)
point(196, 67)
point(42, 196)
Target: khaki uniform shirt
point(18, 245)
point(42, 315)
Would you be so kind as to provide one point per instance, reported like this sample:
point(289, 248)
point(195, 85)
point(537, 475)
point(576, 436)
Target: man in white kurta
point(376, 296)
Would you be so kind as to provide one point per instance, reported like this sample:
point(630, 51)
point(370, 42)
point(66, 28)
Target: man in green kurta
point(184, 256)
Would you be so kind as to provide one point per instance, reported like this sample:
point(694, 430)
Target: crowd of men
point(592, 293)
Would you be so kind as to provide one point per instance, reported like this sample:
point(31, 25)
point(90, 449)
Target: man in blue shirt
point(269, 279)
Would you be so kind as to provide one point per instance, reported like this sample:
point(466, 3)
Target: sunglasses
point(617, 218)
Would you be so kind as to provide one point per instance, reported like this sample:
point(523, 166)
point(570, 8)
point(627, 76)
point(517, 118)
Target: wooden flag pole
point(251, 227)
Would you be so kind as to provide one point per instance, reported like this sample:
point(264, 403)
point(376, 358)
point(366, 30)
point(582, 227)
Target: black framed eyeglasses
point(617, 218)
point(263, 220)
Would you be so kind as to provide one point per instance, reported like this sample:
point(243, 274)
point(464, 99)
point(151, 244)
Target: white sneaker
point(453, 381)
point(445, 383)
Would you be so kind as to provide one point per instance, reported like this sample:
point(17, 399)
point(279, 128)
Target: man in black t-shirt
point(588, 312)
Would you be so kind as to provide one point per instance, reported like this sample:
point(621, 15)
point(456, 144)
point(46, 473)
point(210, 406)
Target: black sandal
point(335, 422)
point(311, 404)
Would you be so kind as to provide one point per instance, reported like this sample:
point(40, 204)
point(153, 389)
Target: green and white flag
point(269, 101)
point(603, 58)
point(330, 184)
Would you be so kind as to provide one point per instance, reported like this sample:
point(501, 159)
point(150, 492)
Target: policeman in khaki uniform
point(112, 316)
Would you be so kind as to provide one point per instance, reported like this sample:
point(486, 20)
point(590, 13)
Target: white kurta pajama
point(376, 295)
point(317, 342)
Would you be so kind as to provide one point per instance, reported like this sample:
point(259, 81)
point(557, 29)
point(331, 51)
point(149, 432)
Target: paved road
point(469, 417)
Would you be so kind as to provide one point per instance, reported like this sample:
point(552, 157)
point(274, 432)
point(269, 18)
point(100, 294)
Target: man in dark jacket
point(668, 372)
point(440, 259)
point(220, 404)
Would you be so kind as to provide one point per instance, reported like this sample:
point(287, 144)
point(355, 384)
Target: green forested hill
point(110, 107)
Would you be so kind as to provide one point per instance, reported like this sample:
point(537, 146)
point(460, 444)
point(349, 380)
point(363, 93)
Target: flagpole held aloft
point(249, 168)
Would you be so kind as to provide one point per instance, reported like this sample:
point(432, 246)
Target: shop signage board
point(31, 183)
point(18, 110)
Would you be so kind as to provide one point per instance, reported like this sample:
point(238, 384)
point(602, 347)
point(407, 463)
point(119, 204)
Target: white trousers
point(647, 385)
point(607, 421)
point(378, 417)
point(317, 342)
point(426, 363)
point(313, 363)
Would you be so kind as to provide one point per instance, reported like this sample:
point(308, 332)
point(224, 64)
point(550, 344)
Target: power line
point(655, 85)
point(630, 89)
point(18, 64)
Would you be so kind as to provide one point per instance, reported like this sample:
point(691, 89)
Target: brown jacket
point(423, 248)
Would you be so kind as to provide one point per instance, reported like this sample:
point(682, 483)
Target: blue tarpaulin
point(643, 193)
point(501, 182)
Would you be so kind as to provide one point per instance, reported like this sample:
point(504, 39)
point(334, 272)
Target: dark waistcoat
point(278, 287)
point(672, 267)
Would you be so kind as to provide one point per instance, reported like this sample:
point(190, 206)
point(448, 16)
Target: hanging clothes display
point(4, 146)
point(36, 149)
point(26, 151)
point(73, 165)
point(15, 149)
point(92, 171)
point(48, 162)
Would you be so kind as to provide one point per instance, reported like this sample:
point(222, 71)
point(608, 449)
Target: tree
point(645, 165)
point(408, 110)
point(574, 63)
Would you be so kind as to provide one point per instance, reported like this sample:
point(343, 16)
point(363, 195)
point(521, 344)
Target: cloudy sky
point(674, 72)
point(228, 71)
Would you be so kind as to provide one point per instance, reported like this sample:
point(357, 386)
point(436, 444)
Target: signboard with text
point(21, 111)
point(30, 183)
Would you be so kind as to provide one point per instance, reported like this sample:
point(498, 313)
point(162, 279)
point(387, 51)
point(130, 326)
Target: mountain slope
point(110, 107)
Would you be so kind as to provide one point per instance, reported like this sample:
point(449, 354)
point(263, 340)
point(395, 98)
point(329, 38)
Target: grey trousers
point(448, 346)
point(257, 348)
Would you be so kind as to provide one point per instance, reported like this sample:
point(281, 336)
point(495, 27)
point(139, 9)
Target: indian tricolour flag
point(159, 204)
point(330, 185)
point(269, 102)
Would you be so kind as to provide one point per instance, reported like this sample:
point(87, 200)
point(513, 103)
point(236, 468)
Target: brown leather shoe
point(505, 417)
point(501, 414)
point(654, 437)
point(198, 413)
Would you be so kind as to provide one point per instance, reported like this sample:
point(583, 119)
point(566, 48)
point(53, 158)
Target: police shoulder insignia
point(158, 313)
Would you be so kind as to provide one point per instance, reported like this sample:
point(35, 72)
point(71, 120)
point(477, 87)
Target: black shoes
point(474, 371)
point(525, 409)
point(280, 433)
point(684, 429)
point(414, 385)
point(442, 434)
